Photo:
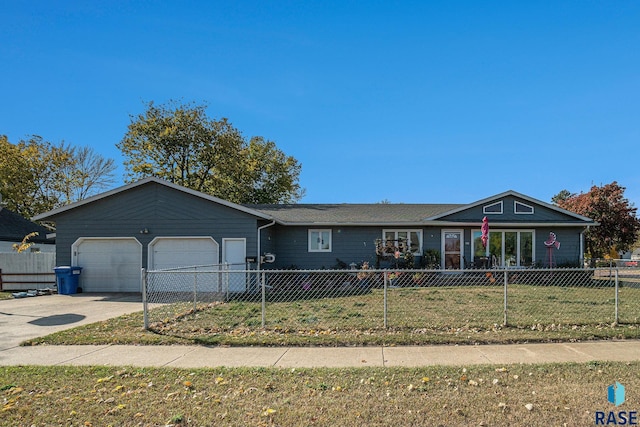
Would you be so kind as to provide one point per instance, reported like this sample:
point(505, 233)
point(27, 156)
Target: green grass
point(415, 316)
point(5, 295)
point(560, 394)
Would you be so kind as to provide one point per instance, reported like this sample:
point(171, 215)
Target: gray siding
point(569, 253)
point(357, 244)
point(349, 244)
point(161, 210)
point(542, 213)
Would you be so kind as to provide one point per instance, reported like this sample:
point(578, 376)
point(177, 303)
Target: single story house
point(14, 228)
point(156, 224)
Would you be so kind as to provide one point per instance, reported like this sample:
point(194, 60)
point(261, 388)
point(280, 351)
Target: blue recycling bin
point(67, 279)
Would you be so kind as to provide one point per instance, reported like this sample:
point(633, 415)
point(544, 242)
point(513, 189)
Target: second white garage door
point(108, 264)
point(195, 260)
point(173, 252)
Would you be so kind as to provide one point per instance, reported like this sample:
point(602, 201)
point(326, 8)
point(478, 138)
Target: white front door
point(234, 253)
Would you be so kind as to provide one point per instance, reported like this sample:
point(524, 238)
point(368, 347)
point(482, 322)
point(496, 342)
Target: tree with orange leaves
point(619, 224)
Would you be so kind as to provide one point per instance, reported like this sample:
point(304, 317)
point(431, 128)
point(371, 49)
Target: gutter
point(430, 224)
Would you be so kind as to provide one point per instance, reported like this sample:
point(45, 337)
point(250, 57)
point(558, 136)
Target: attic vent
point(522, 208)
point(494, 208)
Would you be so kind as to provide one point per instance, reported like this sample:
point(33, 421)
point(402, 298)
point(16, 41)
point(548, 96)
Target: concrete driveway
point(24, 318)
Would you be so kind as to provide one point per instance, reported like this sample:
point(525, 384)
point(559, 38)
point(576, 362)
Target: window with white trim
point(401, 241)
point(522, 208)
point(493, 208)
point(506, 248)
point(320, 240)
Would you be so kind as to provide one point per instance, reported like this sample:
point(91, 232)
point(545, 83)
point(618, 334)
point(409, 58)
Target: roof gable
point(512, 207)
point(142, 182)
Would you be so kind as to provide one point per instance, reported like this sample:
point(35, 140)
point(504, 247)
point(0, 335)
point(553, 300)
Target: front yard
point(517, 395)
point(415, 316)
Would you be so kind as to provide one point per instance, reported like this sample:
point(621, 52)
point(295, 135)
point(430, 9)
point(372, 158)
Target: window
point(319, 240)
point(508, 248)
point(522, 209)
point(494, 208)
point(401, 241)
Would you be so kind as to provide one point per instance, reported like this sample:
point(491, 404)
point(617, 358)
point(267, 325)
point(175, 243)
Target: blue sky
point(412, 102)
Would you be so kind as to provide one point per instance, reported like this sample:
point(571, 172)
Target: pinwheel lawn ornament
point(550, 243)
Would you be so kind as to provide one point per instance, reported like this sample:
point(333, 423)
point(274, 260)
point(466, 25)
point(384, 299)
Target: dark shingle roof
point(353, 214)
point(13, 228)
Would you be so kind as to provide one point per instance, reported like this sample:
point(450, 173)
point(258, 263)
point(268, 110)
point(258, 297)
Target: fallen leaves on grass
point(268, 412)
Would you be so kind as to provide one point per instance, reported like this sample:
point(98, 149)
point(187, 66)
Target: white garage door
point(108, 264)
point(172, 252)
point(198, 257)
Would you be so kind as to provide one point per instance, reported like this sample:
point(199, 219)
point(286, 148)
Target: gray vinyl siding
point(541, 213)
point(348, 244)
point(569, 253)
point(161, 210)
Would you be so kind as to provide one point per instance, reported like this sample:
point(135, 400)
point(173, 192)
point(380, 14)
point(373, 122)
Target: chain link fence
point(322, 301)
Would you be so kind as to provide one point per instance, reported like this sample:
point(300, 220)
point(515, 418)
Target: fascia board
point(432, 224)
point(351, 224)
point(512, 224)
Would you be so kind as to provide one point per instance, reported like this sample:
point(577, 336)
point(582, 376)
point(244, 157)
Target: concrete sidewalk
point(312, 357)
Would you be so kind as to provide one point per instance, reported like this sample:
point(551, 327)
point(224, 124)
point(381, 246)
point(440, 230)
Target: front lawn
point(415, 316)
point(516, 395)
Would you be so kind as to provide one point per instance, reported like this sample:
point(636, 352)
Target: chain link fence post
point(195, 289)
point(384, 309)
point(145, 306)
point(225, 280)
point(506, 299)
point(617, 289)
point(263, 298)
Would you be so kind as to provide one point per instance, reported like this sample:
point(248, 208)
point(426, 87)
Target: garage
point(108, 264)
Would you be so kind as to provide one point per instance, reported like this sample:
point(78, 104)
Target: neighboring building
point(156, 224)
point(14, 228)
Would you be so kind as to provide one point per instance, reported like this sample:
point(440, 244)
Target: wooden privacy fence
point(26, 271)
point(19, 281)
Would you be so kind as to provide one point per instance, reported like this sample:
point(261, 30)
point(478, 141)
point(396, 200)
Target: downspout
point(582, 245)
point(259, 234)
point(259, 278)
